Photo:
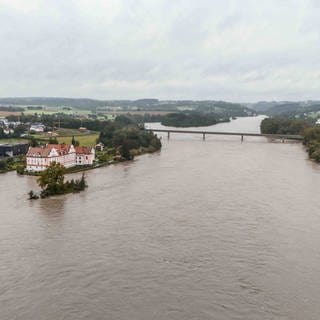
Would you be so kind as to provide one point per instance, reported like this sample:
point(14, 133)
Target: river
point(214, 229)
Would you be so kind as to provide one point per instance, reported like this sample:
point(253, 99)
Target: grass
point(64, 132)
point(88, 140)
point(13, 140)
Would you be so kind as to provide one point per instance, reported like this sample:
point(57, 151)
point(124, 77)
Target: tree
point(52, 179)
point(3, 165)
point(34, 142)
point(74, 142)
point(125, 150)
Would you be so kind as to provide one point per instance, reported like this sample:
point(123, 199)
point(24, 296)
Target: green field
point(88, 140)
point(18, 140)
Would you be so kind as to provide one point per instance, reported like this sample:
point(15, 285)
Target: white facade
point(38, 159)
point(39, 128)
point(84, 156)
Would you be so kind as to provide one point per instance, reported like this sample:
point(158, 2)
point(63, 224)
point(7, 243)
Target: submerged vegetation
point(51, 182)
point(311, 140)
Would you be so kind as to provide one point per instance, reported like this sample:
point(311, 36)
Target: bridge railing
point(242, 134)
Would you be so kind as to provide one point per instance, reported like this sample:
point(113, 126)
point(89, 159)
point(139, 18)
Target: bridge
point(282, 137)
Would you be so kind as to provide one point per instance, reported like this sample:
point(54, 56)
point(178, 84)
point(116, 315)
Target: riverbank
point(219, 220)
point(309, 131)
point(109, 161)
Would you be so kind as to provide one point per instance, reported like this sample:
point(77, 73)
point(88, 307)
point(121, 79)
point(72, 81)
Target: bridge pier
point(168, 135)
point(203, 136)
point(241, 138)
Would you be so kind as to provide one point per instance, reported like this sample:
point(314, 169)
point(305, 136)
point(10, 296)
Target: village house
point(39, 158)
point(37, 127)
point(99, 146)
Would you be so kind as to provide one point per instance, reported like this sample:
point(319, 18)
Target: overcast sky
point(235, 50)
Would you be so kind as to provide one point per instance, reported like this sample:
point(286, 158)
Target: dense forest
point(11, 109)
point(129, 140)
point(193, 119)
point(283, 126)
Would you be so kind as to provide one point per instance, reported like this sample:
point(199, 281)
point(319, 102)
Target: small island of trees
point(51, 181)
point(191, 119)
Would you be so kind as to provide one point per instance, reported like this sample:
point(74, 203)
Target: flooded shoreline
point(214, 229)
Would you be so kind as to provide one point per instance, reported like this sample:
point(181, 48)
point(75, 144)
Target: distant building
point(83, 129)
point(37, 127)
point(4, 123)
point(8, 131)
point(14, 149)
point(99, 146)
point(39, 158)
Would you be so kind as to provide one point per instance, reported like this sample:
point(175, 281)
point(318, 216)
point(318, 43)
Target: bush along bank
point(309, 131)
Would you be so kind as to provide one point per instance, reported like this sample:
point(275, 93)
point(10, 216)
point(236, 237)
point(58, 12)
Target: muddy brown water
point(214, 229)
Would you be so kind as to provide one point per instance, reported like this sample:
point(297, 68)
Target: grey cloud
point(204, 49)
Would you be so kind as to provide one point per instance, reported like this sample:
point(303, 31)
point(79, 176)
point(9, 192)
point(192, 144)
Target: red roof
point(38, 152)
point(83, 150)
point(62, 149)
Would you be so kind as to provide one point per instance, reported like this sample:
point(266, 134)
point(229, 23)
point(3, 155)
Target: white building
point(37, 127)
point(84, 156)
point(39, 158)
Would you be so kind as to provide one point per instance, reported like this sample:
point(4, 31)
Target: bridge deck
point(243, 134)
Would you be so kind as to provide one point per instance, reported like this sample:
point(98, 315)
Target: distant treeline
point(289, 110)
point(129, 105)
point(35, 108)
point(11, 109)
point(62, 119)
